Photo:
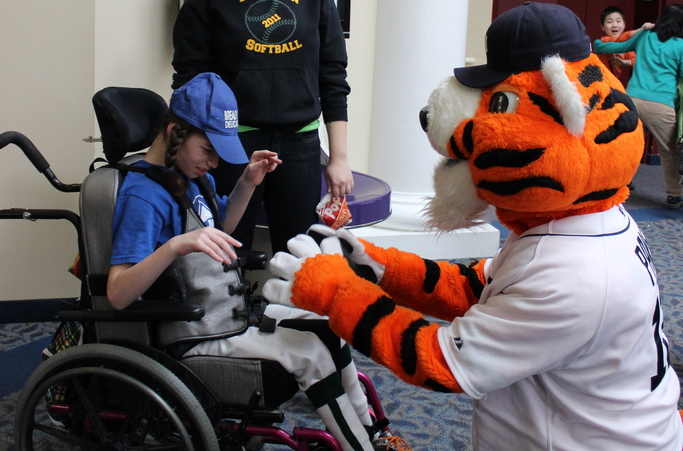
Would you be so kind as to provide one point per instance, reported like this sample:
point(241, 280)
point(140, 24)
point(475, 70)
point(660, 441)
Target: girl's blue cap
point(208, 103)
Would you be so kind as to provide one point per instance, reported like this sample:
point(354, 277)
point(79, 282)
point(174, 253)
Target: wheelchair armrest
point(255, 260)
point(147, 310)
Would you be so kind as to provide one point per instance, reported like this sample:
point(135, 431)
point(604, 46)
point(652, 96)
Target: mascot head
point(542, 131)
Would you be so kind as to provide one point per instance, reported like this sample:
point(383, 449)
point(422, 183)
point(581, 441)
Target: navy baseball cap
point(519, 39)
point(208, 103)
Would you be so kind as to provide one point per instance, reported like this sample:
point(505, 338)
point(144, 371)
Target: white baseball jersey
point(565, 349)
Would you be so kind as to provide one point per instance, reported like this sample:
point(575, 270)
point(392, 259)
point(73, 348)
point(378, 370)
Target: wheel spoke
point(126, 424)
point(92, 414)
point(62, 435)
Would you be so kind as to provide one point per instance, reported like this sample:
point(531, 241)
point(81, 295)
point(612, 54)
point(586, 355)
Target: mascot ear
point(449, 104)
point(566, 95)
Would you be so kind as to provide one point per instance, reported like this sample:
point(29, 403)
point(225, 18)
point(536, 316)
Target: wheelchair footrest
point(257, 416)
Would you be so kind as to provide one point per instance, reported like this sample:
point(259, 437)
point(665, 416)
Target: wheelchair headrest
point(129, 119)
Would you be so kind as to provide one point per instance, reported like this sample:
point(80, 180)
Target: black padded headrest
point(129, 119)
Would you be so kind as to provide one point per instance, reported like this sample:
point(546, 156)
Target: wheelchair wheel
point(105, 397)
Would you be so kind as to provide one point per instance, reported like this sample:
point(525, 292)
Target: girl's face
point(613, 25)
point(196, 156)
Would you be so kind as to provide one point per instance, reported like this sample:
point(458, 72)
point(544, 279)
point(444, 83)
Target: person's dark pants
point(290, 193)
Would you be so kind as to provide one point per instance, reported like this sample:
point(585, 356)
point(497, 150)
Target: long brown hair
point(670, 23)
point(174, 140)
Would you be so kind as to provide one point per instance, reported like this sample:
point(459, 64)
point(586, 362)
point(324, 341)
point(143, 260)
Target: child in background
point(612, 24)
point(652, 88)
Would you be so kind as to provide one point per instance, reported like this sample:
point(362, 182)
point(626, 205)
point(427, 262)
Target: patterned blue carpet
point(426, 420)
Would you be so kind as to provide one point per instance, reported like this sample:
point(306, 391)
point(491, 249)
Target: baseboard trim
point(31, 310)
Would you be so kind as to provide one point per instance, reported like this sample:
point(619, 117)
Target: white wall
point(418, 45)
point(362, 62)
point(478, 21)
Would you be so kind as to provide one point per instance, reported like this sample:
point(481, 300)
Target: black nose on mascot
point(424, 121)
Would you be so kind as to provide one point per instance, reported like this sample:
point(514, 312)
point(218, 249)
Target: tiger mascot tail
point(559, 337)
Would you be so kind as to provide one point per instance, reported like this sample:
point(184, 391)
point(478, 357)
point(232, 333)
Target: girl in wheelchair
point(165, 216)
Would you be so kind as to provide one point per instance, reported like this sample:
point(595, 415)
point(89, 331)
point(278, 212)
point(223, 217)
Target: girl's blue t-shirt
point(146, 216)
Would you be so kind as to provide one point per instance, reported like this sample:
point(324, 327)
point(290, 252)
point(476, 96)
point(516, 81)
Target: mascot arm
point(438, 289)
point(361, 313)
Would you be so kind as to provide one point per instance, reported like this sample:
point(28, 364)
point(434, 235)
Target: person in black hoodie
point(286, 63)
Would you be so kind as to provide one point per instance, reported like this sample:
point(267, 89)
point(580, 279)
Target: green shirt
point(658, 66)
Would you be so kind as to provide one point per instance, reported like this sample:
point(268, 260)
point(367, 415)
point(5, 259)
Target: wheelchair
point(119, 391)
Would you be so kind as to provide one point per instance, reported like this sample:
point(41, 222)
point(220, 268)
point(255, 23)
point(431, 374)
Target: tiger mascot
point(559, 337)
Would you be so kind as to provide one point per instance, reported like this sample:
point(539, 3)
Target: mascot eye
point(504, 102)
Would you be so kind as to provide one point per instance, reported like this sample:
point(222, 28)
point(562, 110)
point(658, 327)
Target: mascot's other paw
point(320, 232)
point(363, 264)
point(360, 262)
point(285, 266)
point(278, 292)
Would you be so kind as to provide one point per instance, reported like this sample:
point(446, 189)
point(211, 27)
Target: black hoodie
point(285, 60)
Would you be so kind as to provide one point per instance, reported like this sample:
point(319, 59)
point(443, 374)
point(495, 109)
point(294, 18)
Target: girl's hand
point(213, 242)
point(127, 282)
point(260, 163)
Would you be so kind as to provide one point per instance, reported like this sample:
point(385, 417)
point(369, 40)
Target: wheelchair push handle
point(36, 159)
point(27, 146)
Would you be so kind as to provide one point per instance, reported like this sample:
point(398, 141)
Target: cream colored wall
point(56, 55)
point(133, 45)
point(46, 82)
point(361, 51)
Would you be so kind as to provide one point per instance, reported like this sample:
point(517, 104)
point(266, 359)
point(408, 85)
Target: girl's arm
point(260, 163)
point(617, 47)
point(645, 26)
point(127, 282)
